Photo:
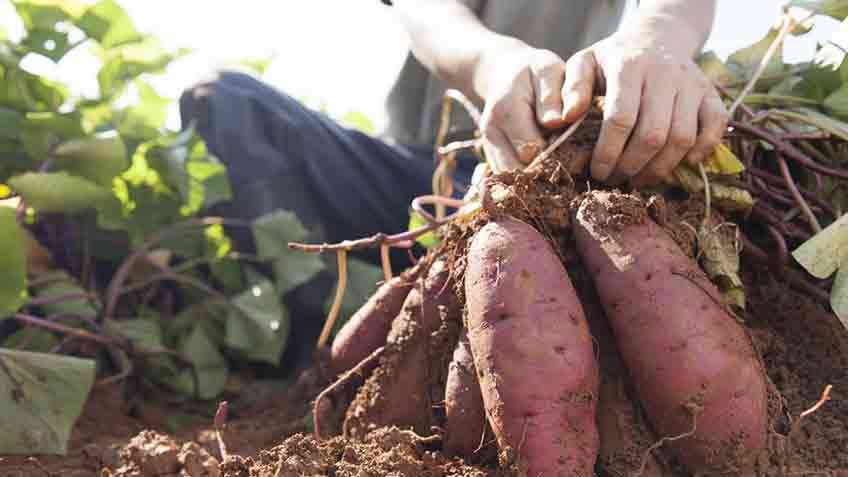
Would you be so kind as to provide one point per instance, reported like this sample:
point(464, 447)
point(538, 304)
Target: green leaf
point(144, 120)
point(210, 365)
point(837, 9)
point(362, 281)
point(260, 328)
point(839, 295)
point(747, 60)
point(815, 118)
point(41, 132)
point(31, 339)
point(145, 332)
point(47, 13)
point(826, 251)
point(716, 70)
point(129, 61)
point(108, 23)
point(13, 263)
point(272, 233)
point(10, 124)
point(80, 306)
point(58, 191)
point(428, 240)
point(837, 102)
point(51, 43)
point(99, 158)
point(43, 397)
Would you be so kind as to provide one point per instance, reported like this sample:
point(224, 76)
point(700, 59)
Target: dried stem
point(386, 260)
point(558, 141)
point(787, 25)
point(337, 302)
point(403, 240)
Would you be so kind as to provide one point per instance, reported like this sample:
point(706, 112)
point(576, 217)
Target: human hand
point(523, 95)
point(659, 107)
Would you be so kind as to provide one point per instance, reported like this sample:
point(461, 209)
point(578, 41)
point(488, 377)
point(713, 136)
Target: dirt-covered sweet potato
point(465, 419)
point(533, 351)
point(367, 329)
point(409, 380)
point(693, 365)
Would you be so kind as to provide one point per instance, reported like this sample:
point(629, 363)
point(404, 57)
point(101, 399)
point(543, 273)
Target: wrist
point(493, 52)
point(664, 32)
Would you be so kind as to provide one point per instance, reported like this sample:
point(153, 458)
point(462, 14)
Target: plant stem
point(67, 330)
point(793, 188)
point(788, 150)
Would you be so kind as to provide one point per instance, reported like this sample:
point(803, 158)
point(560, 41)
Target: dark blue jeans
point(341, 183)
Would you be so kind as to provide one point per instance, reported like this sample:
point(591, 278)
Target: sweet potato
point(533, 351)
point(400, 391)
point(693, 365)
point(367, 329)
point(465, 420)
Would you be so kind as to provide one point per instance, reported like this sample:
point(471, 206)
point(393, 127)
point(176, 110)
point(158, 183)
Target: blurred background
point(339, 54)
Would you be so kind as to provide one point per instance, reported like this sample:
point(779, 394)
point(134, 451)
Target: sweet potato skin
point(692, 364)
point(400, 391)
point(464, 415)
point(368, 328)
point(533, 351)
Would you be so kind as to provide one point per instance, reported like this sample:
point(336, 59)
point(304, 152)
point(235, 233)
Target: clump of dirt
point(151, 454)
point(385, 451)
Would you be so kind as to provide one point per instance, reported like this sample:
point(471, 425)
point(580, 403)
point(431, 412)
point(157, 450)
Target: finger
point(500, 154)
point(681, 138)
point(548, 74)
point(713, 119)
point(621, 108)
point(652, 127)
point(517, 121)
point(576, 164)
point(578, 85)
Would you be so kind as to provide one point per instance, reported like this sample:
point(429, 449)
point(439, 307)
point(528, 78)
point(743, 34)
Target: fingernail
point(551, 116)
point(601, 171)
point(568, 104)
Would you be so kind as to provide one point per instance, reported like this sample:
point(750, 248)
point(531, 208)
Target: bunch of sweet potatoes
point(513, 355)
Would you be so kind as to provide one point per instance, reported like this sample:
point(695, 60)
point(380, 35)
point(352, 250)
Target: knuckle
point(654, 139)
point(682, 140)
point(621, 121)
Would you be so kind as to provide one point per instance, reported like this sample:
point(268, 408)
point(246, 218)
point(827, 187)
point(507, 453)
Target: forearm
point(679, 25)
point(450, 41)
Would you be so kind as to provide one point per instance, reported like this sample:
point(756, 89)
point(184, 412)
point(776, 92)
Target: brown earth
point(804, 348)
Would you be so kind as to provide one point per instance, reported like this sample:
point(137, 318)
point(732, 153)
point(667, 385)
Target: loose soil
point(804, 348)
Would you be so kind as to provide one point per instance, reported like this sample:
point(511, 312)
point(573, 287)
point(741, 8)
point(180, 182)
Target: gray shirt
point(562, 26)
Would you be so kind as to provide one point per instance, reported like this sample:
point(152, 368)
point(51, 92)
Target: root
point(337, 302)
point(386, 262)
point(356, 370)
point(656, 445)
point(796, 425)
point(221, 424)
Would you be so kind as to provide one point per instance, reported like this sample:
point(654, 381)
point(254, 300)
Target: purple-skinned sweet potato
point(367, 329)
point(693, 366)
point(465, 418)
point(533, 351)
